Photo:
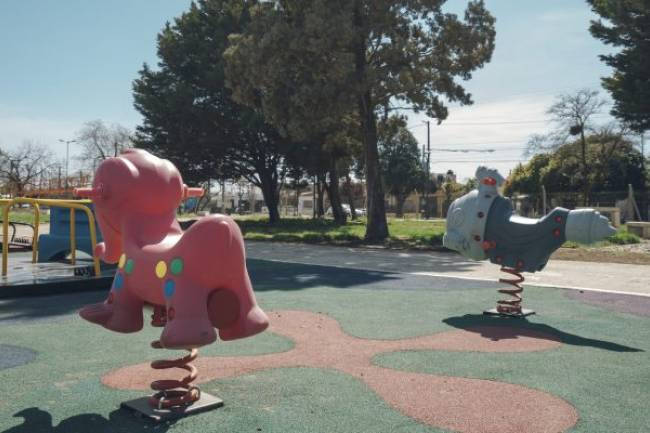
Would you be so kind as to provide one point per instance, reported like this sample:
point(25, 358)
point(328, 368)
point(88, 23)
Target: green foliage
point(188, 114)
point(626, 26)
point(613, 164)
point(527, 178)
point(399, 157)
point(308, 64)
point(623, 238)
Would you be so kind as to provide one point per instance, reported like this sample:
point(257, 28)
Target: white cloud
point(504, 126)
point(17, 127)
point(565, 15)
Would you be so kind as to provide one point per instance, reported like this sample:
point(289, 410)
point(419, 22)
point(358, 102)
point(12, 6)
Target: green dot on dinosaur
point(176, 266)
point(128, 268)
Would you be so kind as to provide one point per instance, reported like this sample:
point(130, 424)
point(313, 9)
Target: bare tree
point(572, 115)
point(99, 141)
point(23, 167)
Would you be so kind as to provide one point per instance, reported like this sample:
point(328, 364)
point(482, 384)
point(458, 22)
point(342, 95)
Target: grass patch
point(27, 217)
point(622, 237)
point(405, 233)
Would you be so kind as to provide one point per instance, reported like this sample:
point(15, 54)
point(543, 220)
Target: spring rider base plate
point(524, 312)
point(142, 409)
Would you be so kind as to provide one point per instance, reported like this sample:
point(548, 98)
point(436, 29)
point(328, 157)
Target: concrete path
point(608, 277)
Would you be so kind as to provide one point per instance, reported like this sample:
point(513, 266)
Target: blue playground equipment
point(56, 245)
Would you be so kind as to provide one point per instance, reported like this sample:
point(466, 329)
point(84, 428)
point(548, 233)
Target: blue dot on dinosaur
point(170, 288)
point(118, 282)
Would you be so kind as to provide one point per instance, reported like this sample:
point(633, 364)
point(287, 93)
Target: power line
point(478, 160)
point(500, 122)
point(469, 143)
point(464, 150)
point(440, 149)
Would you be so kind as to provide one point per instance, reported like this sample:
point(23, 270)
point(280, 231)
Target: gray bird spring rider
point(482, 225)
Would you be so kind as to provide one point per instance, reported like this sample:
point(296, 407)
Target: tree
point(99, 141)
point(527, 178)
point(627, 27)
point(452, 190)
point(612, 157)
point(572, 115)
point(188, 114)
point(23, 167)
point(399, 154)
point(309, 63)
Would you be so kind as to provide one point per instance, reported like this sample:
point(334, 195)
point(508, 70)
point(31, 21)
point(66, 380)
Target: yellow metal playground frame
point(36, 204)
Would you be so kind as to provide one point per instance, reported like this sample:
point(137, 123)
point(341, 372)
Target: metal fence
point(533, 204)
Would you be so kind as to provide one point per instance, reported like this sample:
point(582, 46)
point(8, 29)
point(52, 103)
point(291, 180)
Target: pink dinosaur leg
point(187, 325)
point(121, 312)
point(236, 317)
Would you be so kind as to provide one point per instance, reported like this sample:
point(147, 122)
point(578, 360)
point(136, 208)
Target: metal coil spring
point(170, 393)
point(511, 306)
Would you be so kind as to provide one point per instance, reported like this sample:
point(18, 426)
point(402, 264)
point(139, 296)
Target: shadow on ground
point(33, 308)
point(267, 275)
point(469, 321)
point(379, 259)
point(36, 420)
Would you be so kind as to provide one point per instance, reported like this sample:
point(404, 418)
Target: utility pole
point(313, 198)
point(427, 161)
point(67, 158)
point(643, 150)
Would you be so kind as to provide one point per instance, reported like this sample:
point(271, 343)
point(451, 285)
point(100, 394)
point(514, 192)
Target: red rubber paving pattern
point(453, 403)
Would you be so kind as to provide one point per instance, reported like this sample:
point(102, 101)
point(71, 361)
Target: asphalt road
point(608, 277)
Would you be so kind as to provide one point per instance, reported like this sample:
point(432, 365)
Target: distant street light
point(67, 158)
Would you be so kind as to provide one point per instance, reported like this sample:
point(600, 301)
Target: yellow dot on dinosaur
point(161, 269)
point(120, 264)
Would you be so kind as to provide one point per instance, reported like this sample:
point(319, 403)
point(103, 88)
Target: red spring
point(511, 306)
point(171, 393)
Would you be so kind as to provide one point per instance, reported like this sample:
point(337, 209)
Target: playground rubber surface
point(347, 351)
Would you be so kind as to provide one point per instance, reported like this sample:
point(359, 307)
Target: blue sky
point(63, 63)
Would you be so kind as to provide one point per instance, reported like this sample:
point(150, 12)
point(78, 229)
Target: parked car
point(348, 212)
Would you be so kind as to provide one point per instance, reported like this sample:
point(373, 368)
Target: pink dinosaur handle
point(192, 192)
point(91, 193)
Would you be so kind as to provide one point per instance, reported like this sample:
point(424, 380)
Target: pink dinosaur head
point(134, 183)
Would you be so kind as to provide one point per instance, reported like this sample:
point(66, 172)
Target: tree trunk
point(350, 194)
point(271, 199)
point(223, 196)
point(320, 201)
point(585, 168)
point(334, 194)
point(377, 227)
point(271, 195)
point(399, 211)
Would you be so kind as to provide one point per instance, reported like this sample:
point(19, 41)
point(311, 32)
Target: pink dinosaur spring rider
point(196, 280)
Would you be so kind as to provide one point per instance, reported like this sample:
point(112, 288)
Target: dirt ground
point(634, 254)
